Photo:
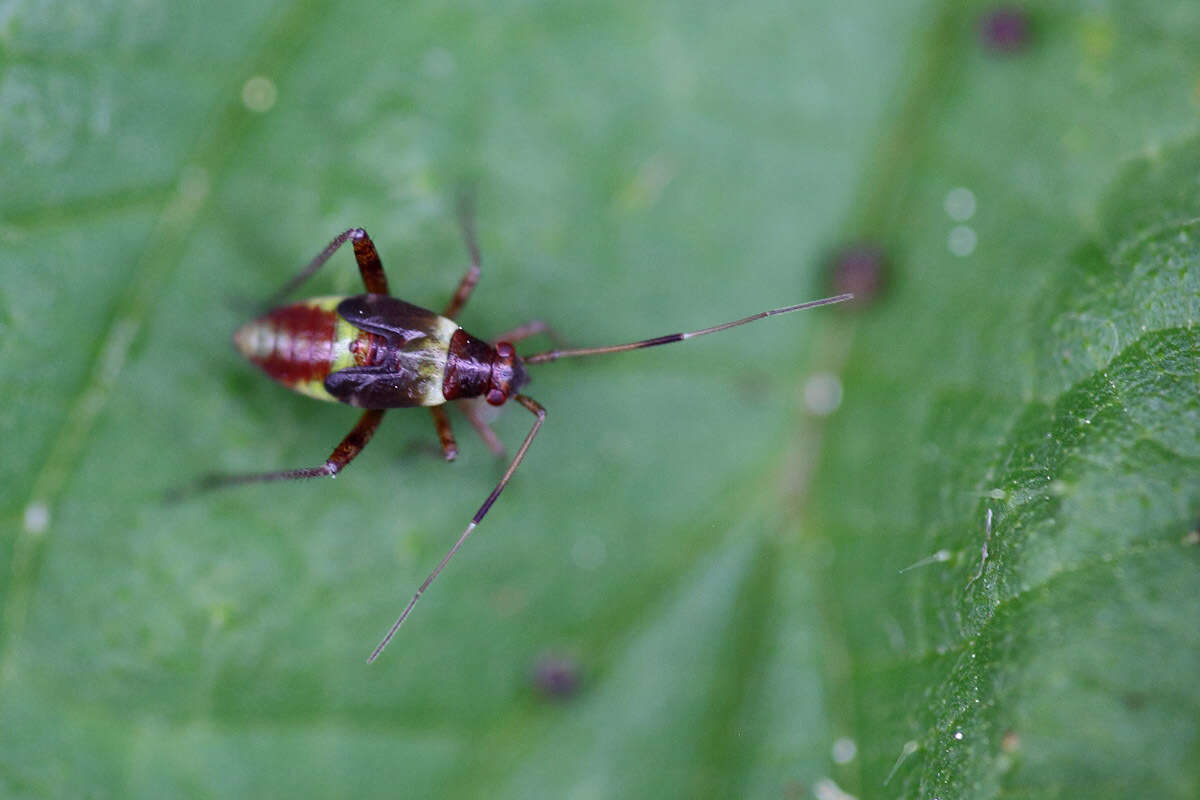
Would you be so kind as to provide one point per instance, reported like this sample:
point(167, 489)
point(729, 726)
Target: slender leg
point(531, 328)
point(466, 219)
point(342, 455)
point(535, 409)
point(470, 409)
point(369, 265)
point(445, 435)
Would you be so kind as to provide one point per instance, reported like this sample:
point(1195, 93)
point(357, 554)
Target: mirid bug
point(378, 352)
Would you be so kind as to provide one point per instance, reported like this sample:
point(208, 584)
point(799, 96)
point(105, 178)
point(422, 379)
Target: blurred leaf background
point(696, 586)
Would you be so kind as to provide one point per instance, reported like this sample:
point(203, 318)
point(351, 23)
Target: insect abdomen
point(301, 344)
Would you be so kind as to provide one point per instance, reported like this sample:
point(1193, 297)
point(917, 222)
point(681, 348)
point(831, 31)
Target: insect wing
point(395, 320)
point(377, 387)
point(409, 368)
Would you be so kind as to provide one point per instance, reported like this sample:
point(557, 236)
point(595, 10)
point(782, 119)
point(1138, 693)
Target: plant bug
point(378, 352)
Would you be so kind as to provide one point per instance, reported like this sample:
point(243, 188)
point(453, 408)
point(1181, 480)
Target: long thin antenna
point(540, 412)
point(554, 355)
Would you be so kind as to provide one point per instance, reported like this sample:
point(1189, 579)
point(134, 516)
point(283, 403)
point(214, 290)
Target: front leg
point(531, 328)
point(473, 410)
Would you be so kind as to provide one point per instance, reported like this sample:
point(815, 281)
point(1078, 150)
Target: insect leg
point(531, 328)
point(342, 455)
point(369, 265)
point(538, 411)
point(445, 435)
point(471, 410)
point(466, 220)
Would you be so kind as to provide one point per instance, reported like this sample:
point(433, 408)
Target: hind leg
point(369, 265)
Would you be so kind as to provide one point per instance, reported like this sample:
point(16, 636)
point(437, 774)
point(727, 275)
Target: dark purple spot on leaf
point(556, 676)
point(1005, 29)
point(861, 268)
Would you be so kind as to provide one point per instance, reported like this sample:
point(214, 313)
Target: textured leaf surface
point(721, 565)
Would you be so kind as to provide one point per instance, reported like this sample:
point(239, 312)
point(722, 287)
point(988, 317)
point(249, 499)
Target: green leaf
point(756, 599)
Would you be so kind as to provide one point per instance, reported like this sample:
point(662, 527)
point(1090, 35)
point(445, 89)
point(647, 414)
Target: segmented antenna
point(555, 355)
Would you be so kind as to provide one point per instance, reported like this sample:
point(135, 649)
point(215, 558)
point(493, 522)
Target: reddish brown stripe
point(303, 343)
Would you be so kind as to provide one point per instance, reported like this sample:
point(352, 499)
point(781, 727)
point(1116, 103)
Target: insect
point(378, 352)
